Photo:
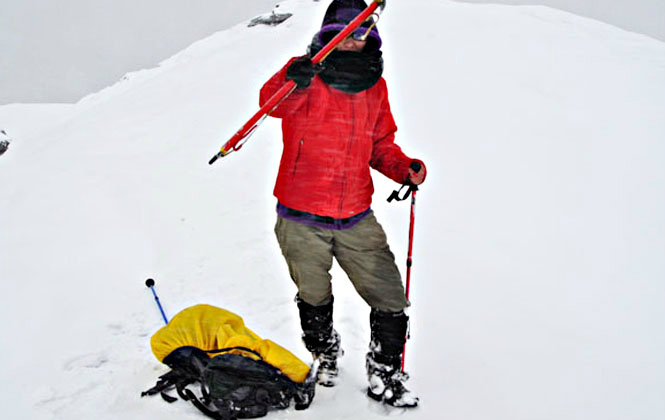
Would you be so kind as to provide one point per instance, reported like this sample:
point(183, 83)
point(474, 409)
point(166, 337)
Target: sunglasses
point(361, 34)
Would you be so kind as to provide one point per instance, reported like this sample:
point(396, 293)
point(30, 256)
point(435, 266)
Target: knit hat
point(339, 14)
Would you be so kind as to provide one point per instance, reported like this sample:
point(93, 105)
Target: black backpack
point(236, 383)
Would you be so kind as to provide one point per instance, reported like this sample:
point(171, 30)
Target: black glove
point(301, 71)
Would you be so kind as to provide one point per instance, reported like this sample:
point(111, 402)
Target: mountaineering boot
point(321, 339)
point(383, 362)
point(328, 370)
point(387, 384)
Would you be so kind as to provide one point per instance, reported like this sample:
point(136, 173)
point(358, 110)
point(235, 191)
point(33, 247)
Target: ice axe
point(241, 136)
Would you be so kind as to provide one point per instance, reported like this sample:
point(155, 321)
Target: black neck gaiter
point(349, 71)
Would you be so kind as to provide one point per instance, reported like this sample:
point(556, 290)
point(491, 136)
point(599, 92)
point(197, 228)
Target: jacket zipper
point(346, 154)
point(295, 165)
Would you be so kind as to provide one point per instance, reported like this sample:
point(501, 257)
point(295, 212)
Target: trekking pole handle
point(411, 188)
point(150, 283)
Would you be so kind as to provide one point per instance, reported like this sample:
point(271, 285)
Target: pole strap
point(396, 194)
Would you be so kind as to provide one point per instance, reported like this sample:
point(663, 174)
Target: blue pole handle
point(151, 284)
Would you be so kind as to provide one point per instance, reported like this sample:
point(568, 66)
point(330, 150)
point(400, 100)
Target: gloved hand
point(417, 172)
point(301, 71)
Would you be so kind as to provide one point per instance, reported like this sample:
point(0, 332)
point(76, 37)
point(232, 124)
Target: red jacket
point(331, 139)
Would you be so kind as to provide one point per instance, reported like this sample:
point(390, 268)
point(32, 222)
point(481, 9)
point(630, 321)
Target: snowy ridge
point(539, 235)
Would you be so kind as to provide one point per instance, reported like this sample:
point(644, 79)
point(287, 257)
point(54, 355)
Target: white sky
point(644, 16)
point(61, 51)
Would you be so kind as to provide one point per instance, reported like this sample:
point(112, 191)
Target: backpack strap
point(175, 378)
point(228, 349)
point(188, 395)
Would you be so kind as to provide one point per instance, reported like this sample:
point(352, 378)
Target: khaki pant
point(362, 251)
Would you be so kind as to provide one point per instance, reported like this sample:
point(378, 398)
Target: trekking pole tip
point(150, 282)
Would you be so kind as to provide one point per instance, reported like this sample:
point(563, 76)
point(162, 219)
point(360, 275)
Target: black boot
point(321, 339)
point(384, 360)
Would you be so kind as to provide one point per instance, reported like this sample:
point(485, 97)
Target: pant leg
point(365, 256)
point(308, 253)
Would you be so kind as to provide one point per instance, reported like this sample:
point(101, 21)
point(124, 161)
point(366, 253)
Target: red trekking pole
point(412, 189)
point(236, 142)
point(409, 261)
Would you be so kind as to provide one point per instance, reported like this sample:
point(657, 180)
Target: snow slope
point(28, 120)
point(538, 264)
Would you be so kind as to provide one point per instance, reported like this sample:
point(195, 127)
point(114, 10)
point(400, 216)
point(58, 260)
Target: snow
point(538, 260)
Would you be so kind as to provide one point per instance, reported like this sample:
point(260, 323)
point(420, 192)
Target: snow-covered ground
point(538, 263)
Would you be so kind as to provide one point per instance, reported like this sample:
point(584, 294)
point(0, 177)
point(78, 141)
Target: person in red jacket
point(337, 125)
